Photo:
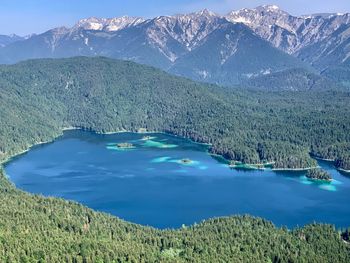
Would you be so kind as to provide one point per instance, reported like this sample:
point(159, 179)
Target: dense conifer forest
point(318, 174)
point(293, 80)
point(39, 98)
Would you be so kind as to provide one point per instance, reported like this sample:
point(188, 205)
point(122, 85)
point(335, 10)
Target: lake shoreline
point(295, 169)
point(8, 159)
point(323, 159)
point(343, 170)
point(332, 161)
point(204, 174)
point(142, 131)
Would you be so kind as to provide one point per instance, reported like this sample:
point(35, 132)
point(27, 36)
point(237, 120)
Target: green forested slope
point(293, 80)
point(339, 73)
point(40, 97)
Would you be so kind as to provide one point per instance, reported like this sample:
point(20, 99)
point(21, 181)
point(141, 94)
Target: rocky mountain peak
point(271, 8)
point(107, 24)
point(206, 13)
point(91, 23)
point(118, 23)
point(311, 38)
point(287, 32)
point(186, 29)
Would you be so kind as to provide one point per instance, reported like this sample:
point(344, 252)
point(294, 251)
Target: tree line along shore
point(39, 97)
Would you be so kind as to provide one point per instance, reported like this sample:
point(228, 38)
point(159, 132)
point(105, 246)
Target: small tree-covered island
point(125, 145)
point(318, 175)
point(40, 97)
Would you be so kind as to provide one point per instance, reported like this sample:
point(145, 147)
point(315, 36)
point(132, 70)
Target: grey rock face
point(203, 45)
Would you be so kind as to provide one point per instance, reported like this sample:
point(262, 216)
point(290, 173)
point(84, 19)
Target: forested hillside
point(40, 97)
point(339, 73)
point(292, 80)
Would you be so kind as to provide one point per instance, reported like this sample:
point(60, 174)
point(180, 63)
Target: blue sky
point(35, 16)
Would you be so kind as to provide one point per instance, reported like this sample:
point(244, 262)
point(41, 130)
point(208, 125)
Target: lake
point(150, 185)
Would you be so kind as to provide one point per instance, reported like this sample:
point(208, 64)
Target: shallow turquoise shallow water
point(150, 185)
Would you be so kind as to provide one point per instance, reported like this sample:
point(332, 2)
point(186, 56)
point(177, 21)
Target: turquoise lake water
point(150, 185)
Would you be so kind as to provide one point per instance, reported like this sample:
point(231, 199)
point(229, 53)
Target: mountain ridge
point(319, 41)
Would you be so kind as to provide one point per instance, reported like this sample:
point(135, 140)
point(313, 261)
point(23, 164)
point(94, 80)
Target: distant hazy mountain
point(331, 51)
point(6, 40)
point(231, 54)
point(229, 49)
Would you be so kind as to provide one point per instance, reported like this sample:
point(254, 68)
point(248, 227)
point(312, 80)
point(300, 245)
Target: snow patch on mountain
point(108, 24)
point(287, 32)
point(312, 37)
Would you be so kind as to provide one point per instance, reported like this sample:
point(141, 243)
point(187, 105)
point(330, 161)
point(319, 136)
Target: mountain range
point(7, 40)
point(204, 46)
